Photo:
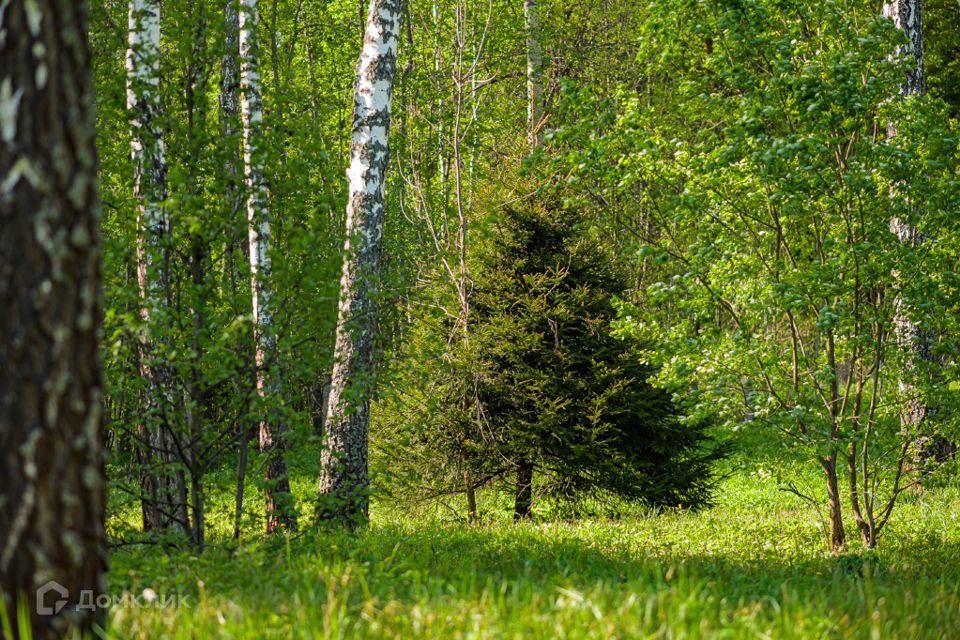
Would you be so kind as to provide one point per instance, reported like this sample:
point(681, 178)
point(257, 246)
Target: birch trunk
point(907, 15)
point(229, 101)
point(164, 492)
point(534, 74)
point(51, 461)
point(279, 501)
point(343, 476)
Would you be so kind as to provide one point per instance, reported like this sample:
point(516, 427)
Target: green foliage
point(557, 389)
point(758, 185)
point(540, 380)
point(941, 30)
point(727, 183)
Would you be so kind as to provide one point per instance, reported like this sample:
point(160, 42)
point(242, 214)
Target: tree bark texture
point(229, 100)
point(343, 478)
point(836, 533)
point(51, 465)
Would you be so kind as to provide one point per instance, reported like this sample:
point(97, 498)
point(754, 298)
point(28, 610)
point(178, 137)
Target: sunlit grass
point(753, 566)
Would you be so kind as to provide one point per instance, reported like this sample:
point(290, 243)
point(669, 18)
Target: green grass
point(755, 566)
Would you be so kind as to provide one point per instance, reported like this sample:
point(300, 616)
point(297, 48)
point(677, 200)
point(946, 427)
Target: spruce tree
point(557, 401)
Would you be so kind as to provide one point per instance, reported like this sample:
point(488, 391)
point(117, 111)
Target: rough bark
point(534, 74)
point(343, 477)
point(51, 466)
point(907, 15)
point(836, 534)
point(164, 492)
point(321, 404)
point(280, 511)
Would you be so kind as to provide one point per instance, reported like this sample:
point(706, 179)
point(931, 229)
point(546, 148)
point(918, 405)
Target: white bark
point(146, 146)
point(907, 15)
point(534, 74)
point(165, 491)
point(258, 217)
point(343, 479)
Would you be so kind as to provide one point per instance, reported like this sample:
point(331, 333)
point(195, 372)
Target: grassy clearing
point(754, 566)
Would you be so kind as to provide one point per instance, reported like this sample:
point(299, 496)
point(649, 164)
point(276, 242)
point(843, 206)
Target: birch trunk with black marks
point(229, 102)
point(163, 500)
point(907, 15)
point(51, 463)
point(343, 476)
point(280, 511)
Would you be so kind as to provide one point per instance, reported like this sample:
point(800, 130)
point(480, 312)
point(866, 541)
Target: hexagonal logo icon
point(42, 608)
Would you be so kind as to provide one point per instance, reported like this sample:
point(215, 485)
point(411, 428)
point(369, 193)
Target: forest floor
point(754, 566)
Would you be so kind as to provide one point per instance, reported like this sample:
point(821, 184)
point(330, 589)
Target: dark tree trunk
point(196, 101)
point(229, 100)
point(471, 491)
point(523, 502)
point(244, 439)
point(836, 534)
point(51, 466)
point(343, 476)
point(321, 404)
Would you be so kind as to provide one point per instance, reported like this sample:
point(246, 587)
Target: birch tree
point(280, 508)
point(343, 476)
point(534, 73)
point(51, 466)
point(229, 103)
point(164, 502)
point(907, 15)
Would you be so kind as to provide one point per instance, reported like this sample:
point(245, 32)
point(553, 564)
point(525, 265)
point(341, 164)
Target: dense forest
point(479, 318)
